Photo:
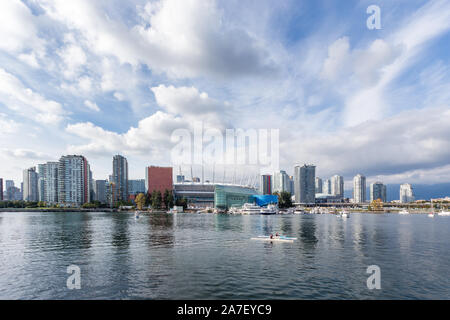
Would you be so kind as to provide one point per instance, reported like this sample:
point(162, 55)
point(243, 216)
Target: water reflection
point(308, 232)
point(120, 232)
point(161, 230)
point(211, 256)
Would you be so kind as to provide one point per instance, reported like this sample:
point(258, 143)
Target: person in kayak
point(271, 236)
point(277, 235)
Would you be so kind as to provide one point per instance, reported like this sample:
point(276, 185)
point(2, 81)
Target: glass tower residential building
point(136, 186)
point(30, 185)
point(1, 189)
point(48, 182)
point(280, 181)
point(120, 177)
point(337, 186)
point(73, 180)
point(265, 186)
point(406, 193)
point(304, 184)
point(319, 185)
point(100, 191)
point(326, 187)
point(359, 189)
point(378, 191)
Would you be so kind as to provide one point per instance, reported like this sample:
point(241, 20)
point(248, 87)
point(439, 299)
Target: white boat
point(249, 208)
point(315, 210)
point(274, 239)
point(233, 210)
point(324, 211)
point(403, 211)
point(343, 214)
point(444, 213)
point(299, 210)
point(271, 209)
point(431, 214)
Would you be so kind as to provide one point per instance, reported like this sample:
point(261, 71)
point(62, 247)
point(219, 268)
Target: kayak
point(274, 239)
point(280, 237)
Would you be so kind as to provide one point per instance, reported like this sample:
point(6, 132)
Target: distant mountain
point(421, 191)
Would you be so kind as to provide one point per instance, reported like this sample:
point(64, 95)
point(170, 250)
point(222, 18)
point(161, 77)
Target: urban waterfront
point(206, 256)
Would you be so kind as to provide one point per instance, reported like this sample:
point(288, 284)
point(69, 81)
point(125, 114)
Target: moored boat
point(269, 210)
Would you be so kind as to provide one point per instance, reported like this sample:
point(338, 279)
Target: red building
point(159, 179)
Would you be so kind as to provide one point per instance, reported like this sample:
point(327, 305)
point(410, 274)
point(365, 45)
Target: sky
point(104, 77)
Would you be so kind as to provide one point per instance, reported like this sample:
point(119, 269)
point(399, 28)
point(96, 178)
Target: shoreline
point(76, 210)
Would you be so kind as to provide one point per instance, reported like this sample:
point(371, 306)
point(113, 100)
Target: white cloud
point(15, 96)
point(412, 140)
point(17, 28)
point(193, 105)
point(183, 39)
point(29, 59)
point(151, 135)
point(74, 59)
point(92, 105)
point(119, 96)
point(24, 154)
point(7, 126)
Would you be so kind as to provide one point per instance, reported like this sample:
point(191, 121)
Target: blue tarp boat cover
point(264, 200)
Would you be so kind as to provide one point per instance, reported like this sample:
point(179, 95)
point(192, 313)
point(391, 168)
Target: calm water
point(212, 257)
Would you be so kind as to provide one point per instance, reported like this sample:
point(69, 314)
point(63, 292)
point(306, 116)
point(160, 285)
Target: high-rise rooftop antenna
point(214, 168)
point(192, 176)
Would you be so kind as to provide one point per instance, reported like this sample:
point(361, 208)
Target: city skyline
point(46, 180)
point(66, 88)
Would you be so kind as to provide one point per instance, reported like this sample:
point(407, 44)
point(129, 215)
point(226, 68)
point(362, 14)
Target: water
point(190, 256)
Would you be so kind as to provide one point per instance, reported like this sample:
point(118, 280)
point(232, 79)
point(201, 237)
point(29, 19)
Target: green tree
point(284, 199)
point(168, 199)
point(156, 199)
point(140, 201)
point(182, 202)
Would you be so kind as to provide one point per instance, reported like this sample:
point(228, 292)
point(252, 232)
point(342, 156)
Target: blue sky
point(101, 77)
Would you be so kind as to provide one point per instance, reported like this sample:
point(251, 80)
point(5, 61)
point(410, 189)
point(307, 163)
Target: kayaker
point(271, 236)
point(277, 235)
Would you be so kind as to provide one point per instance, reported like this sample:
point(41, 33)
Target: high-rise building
point(159, 179)
point(406, 193)
point(73, 180)
point(319, 185)
point(30, 185)
point(136, 186)
point(48, 182)
point(265, 186)
point(337, 186)
point(8, 192)
point(326, 186)
point(111, 194)
point(378, 191)
point(120, 177)
point(1, 189)
point(100, 191)
point(304, 184)
point(280, 181)
point(9, 184)
point(13, 194)
point(291, 185)
point(359, 189)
